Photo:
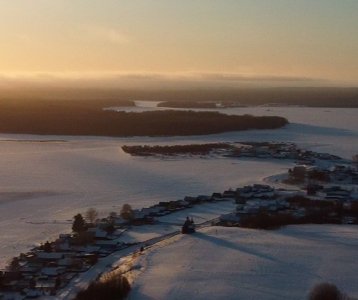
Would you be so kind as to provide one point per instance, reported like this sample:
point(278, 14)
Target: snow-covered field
point(46, 180)
point(165, 232)
point(174, 221)
point(237, 263)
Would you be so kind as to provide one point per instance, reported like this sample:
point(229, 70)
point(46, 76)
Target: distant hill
point(305, 96)
point(312, 97)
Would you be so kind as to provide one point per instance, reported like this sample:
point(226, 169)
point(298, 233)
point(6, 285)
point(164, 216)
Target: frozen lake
point(46, 180)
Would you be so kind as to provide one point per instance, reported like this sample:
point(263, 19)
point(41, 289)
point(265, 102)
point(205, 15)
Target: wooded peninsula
point(80, 117)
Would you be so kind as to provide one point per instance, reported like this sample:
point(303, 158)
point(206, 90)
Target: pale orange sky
point(191, 39)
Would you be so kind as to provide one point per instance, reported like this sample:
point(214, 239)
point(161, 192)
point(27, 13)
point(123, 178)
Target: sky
point(300, 41)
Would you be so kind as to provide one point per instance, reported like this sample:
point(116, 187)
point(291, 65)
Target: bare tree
point(112, 215)
point(14, 265)
point(91, 215)
point(127, 212)
point(326, 291)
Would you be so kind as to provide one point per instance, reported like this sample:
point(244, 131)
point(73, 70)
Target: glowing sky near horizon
point(305, 38)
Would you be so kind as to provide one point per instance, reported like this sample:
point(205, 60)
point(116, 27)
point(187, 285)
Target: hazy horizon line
point(160, 80)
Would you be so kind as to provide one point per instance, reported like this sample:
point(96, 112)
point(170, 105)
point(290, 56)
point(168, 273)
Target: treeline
point(316, 212)
point(89, 118)
point(187, 104)
point(193, 149)
point(307, 96)
point(304, 96)
point(200, 104)
point(112, 287)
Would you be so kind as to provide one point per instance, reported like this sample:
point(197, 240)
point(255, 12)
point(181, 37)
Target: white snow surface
point(174, 221)
point(238, 263)
point(46, 180)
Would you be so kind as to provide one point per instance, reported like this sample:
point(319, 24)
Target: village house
point(230, 219)
point(52, 265)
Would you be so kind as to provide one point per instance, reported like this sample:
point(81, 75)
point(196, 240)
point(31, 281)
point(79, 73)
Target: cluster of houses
point(253, 199)
point(342, 174)
point(268, 150)
point(332, 182)
point(282, 151)
point(47, 268)
point(148, 215)
point(327, 187)
point(51, 266)
point(337, 204)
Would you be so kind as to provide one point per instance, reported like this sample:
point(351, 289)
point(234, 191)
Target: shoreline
point(114, 261)
point(267, 178)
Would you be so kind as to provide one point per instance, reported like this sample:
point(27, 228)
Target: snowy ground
point(237, 263)
point(46, 180)
point(43, 186)
point(173, 222)
point(148, 235)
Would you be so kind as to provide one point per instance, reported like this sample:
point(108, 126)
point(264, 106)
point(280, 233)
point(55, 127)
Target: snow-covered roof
point(231, 217)
point(52, 271)
point(98, 232)
point(108, 242)
point(49, 255)
point(65, 261)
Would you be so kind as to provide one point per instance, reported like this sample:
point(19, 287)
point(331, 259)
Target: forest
point(173, 150)
point(80, 117)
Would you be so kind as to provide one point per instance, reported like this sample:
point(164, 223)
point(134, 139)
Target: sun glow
point(249, 39)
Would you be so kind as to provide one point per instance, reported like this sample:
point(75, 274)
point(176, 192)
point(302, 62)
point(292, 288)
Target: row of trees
point(81, 224)
point(112, 287)
point(195, 149)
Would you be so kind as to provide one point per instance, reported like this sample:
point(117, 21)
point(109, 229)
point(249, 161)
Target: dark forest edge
point(302, 96)
point(192, 149)
point(88, 118)
point(112, 287)
point(198, 104)
point(187, 104)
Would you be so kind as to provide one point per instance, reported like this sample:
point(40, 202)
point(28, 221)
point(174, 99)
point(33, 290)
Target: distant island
point(174, 150)
point(200, 104)
point(88, 118)
point(188, 104)
point(258, 150)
